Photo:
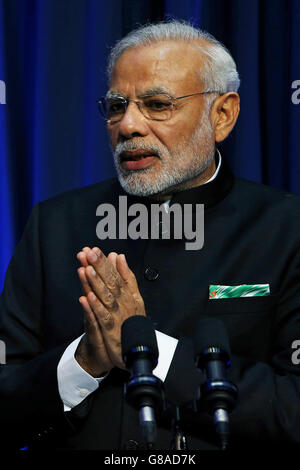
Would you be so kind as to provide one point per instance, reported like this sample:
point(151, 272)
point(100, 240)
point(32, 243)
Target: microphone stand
point(179, 441)
point(218, 393)
point(144, 392)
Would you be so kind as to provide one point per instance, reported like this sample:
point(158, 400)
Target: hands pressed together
point(111, 295)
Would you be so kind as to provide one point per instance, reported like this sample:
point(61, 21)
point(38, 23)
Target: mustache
point(136, 145)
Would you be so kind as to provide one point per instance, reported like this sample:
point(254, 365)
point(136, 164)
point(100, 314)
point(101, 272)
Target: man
point(172, 95)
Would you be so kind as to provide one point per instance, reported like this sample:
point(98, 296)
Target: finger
point(111, 342)
point(112, 258)
point(94, 336)
point(85, 250)
point(81, 256)
point(129, 279)
point(83, 279)
point(98, 287)
point(96, 250)
point(90, 321)
point(126, 273)
point(102, 315)
point(106, 271)
point(91, 325)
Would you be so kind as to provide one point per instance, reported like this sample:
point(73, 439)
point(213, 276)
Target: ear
point(224, 113)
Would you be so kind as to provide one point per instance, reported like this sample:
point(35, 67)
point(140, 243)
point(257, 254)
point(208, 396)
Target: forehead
point(174, 65)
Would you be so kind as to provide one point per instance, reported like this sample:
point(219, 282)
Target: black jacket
point(251, 237)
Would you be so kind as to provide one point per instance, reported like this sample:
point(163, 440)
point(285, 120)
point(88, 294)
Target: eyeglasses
point(158, 107)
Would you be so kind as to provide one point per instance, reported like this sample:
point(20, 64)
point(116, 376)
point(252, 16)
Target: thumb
point(126, 273)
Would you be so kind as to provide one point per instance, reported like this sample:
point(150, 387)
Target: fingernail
point(92, 297)
point(124, 258)
point(93, 256)
point(92, 271)
point(97, 251)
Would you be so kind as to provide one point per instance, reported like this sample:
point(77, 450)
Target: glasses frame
point(126, 101)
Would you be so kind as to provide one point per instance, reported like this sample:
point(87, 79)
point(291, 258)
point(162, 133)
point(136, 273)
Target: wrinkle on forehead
point(172, 64)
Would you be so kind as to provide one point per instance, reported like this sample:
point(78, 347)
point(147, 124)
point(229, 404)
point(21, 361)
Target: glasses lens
point(157, 107)
point(114, 108)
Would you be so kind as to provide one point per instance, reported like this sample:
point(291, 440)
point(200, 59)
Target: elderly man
point(172, 95)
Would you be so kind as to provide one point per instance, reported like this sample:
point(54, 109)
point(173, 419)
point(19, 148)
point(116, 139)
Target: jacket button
point(131, 444)
point(151, 274)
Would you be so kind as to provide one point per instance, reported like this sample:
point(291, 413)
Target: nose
point(133, 123)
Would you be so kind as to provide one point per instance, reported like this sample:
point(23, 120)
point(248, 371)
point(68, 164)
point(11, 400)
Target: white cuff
point(74, 383)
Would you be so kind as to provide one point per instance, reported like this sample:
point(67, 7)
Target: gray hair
point(219, 72)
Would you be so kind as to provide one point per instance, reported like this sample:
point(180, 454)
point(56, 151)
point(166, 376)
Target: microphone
point(140, 355)
point(213, 356)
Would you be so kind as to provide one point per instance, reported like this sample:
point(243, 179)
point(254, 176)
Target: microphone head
point(211, 333)
point(138, 331)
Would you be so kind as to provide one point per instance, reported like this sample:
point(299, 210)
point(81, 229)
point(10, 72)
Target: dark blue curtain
point(52, 60)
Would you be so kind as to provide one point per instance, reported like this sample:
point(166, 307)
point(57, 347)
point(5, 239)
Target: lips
point(138, 159)
point(134, 155)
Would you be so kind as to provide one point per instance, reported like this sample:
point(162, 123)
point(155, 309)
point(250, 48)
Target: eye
point(155, 104)
point(115, 106)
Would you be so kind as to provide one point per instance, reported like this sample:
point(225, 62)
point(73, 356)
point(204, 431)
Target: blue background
point(52, 59)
